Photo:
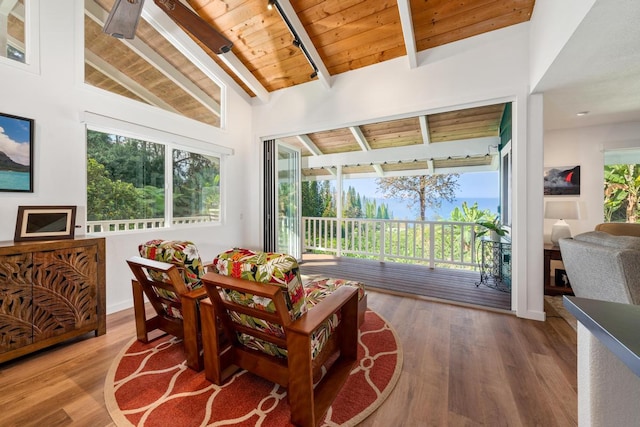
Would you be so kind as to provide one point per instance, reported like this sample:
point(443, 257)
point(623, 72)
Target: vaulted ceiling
point(342, 35)
point(335, 36)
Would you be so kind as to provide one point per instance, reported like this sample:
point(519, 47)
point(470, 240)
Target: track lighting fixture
point(296, 40)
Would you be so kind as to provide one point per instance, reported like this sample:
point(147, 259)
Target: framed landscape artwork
point(16, 153)
point(562, 181)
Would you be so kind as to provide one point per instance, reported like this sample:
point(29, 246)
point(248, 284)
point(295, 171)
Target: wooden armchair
point(169, 274)
point(270, 331)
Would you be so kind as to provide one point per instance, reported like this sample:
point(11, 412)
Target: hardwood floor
point(462, 367)
point(444, 284)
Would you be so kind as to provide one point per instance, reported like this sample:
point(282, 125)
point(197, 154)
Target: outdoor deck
point(445, 284)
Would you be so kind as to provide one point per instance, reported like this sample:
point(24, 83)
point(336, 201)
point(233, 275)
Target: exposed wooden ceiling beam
point(189, 48)
point(6, 6)
point(99, 15)
point(360, 138)
point(309, 145)
point(292, 16)
point(471, 147)
point(237, 67)
point(364, 145)
point(424, 130)
point(404, 7)
point(188, 19)
point(122, 79)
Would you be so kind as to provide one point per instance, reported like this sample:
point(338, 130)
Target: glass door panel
point(288, 201)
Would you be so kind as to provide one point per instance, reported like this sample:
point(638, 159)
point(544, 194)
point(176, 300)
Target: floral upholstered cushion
point(264, 267)
point(317, 289)
point(184, 255)
point(274, 268)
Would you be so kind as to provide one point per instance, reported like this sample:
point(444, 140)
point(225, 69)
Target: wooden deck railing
point(434, 243)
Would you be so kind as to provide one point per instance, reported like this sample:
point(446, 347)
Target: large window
point(12, 30)
point(128, 189)
point(622, 185)
point(149, 68)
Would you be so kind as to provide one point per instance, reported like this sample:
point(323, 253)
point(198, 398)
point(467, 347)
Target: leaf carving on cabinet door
point(64, 291)
point(15, 301)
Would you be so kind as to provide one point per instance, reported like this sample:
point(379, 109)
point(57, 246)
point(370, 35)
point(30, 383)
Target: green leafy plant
point(492, 225)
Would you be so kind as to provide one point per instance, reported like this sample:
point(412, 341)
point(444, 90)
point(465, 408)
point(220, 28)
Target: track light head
point(296, 43)
point(314, 75)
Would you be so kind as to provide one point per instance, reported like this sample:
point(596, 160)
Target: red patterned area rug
point(150, 385)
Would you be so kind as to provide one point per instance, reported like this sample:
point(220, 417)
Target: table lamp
point(561, 211)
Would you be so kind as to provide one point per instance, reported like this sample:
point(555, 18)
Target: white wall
point(486, 69)
point(584, 147)
point(552, 24)
point(482, 70)
point(55, 98)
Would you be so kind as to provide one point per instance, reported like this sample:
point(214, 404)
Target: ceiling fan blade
point(123, 19)
point(194, 24)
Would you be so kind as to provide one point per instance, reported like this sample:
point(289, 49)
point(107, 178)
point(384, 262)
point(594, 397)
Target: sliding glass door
point(288, 200)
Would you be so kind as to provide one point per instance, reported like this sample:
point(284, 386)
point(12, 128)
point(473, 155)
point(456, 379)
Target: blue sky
point(17, 130)
point(14, 139)
point(475, 184)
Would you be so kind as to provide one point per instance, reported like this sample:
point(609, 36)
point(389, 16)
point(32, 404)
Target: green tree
point(312, 202)
point(622, 187)
point(423, 191)
point(108, 199)
point(196, 183)
point(470, 214)
point(127, 159)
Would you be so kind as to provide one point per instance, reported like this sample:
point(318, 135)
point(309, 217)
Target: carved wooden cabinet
point(50, 292)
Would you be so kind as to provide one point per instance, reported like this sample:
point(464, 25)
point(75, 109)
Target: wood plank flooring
point(444, 284)
point(462, 367)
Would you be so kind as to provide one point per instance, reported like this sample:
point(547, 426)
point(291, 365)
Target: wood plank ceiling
point(340, 36)
point(349, 34)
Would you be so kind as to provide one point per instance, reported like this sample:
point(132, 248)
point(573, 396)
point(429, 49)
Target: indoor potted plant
point(494, 227)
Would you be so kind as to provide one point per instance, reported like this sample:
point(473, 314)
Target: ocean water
point(10, 180)
point(401, 211)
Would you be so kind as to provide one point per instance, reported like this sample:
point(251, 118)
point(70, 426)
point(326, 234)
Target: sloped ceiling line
point(424, 130)
point(181, 41)
point(116, 75)
point(99, 15)
point(364, 145)
point(407, 31)
point(309, 145)
point(292, 16)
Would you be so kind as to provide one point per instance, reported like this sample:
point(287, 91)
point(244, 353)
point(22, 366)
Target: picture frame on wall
point(45, 223)
point(16, 153)
point(562, 181)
